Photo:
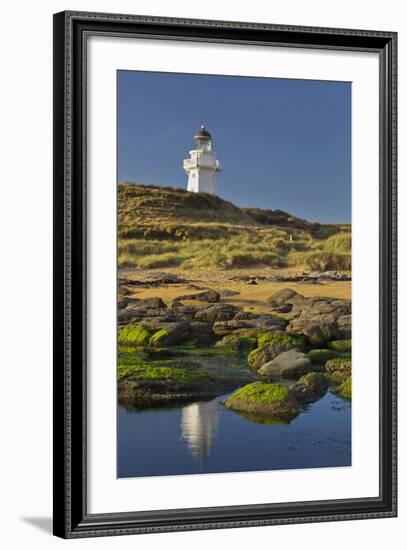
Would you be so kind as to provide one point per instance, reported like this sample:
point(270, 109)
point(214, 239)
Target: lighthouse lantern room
point(202, 166)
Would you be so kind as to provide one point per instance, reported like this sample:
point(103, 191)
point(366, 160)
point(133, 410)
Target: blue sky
point(284, 144)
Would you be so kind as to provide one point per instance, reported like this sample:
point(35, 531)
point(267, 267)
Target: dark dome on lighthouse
point(202, 133)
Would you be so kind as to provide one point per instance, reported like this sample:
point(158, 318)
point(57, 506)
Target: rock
point(210, 296)
point(153, 279)
point(310, 387)
point(169, 333)
point(345, 326)
point(341, 346)
point(137, 334)
point(244, 315)
point(218, 312)
point(321, 356)
point(240, 343)
point(339, 369)
point(345, 389)
point(248, 327)
point(227, 292)
point(154, 302)
point(318, 331)
point(271, 400)
point(289, 363)
point(285, 296)
point(252, 282)
point(283, 308)
point(200, 332)
point(270, 346)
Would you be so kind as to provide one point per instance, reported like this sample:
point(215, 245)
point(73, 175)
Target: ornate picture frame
point(71, 33)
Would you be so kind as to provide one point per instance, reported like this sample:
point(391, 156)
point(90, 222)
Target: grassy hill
point(168, 227)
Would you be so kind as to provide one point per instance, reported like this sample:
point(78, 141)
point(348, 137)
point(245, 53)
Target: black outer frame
point(71, 519)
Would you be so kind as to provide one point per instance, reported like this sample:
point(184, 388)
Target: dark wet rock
point(339, 369)
point(288, 364)
point(200, 332)
point(218, 312)
point(209, 295)
point(169, 334)
point(310, 387)
point(269, 400)
point(252, 282)
point(285, 296)
point(283, 308)
point(142, 393)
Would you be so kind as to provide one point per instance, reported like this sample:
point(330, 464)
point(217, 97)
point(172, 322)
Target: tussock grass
point(165, 227)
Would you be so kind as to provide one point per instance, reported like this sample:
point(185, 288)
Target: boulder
point(218, 312)
point(270, 400)
point(136, 334)
point(283, 308)
point(310, 387)
point(169, 333)
point(318, 331)
point(155, 302)
point(345, 389)
point(200, 332)
point(285, 296)
point(244, 315)
point(345, 326)
point(288, 364)
point(270, 346)
point(250, 327)
point(240, 343)
point(339, 369)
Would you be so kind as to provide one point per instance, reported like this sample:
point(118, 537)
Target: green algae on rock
point(271, 400)
point(136, 334)
point(345, 389)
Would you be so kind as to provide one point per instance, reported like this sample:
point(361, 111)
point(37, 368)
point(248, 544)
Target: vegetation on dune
point(165, 227)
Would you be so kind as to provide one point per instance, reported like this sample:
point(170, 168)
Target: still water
point(205, 437)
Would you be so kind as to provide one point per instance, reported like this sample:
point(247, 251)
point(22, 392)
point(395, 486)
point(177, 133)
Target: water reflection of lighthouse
point(199, 424)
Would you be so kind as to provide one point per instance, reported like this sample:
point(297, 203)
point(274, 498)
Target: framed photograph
point(225, 274)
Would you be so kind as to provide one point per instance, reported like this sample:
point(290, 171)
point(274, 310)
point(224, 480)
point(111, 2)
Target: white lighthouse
point(202, 166)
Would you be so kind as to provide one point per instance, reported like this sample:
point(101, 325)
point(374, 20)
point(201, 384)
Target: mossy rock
point(310, 387)
point(339, 369)
point(345, 389)
point(279, 338)
point(321, 356)
point(238, 343)
point(270, 345)
point(136, 334)
point(270, 400)
point(170, 335)
point(342, 346)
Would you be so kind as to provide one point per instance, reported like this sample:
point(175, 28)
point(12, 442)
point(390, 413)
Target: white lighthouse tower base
point(202, 166)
